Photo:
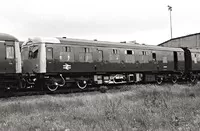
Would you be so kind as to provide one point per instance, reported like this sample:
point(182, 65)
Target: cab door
point(154, 62)
point(9, 64)
point(49, 58)
point(175, 61)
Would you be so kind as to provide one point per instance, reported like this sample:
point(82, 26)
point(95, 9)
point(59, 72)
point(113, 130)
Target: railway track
point(103, 89)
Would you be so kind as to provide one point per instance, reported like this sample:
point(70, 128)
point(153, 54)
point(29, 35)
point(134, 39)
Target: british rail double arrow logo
point(66, 66)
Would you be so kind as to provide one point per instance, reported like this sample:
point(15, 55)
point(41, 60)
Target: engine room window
point(114, 51)
point(49, 53)
point(10, 52)
point(67, 49)
point(144, 53)
point(87, 50)
point(129, 52)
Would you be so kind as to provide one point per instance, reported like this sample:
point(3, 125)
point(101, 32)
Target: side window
point(129, 56)
point(129, 52)
point(68, 49)
point(10, 52)
point(154, 56)
point(144, 53)
point(49, 52)
point(85, 55)
point(87, 50)
point(114, 56)
point(114, 51)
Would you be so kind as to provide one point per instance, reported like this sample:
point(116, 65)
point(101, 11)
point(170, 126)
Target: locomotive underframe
point(54, 81)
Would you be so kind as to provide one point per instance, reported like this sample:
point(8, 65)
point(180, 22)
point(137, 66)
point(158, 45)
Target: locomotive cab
point(35, 55)
point(36, 58)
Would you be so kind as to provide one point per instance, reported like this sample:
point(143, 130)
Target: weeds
point(145, 107)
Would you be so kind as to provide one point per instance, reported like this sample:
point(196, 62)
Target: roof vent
point(64, 37)
point(123, 42)
point(95, 39)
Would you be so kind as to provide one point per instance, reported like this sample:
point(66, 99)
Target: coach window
point(49, 53)
point(9, 52)
point(115, 51)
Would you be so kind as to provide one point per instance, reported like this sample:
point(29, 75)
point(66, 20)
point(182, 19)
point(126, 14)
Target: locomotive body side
point(65, 61)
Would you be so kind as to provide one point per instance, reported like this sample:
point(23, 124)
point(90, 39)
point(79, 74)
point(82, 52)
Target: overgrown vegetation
point(142, 107)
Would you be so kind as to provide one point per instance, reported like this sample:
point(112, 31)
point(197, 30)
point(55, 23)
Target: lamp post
point(170, 10)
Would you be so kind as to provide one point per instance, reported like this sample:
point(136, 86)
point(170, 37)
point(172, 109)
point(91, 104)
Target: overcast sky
point(146, 21)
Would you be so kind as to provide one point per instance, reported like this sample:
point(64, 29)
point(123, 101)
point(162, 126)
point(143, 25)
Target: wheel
point(159, 80)
point(51, 87)
point(81, 84)
point(174, 79)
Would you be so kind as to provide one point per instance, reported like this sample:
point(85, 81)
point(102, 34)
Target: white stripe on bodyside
point(18, 64)
point(42, 58)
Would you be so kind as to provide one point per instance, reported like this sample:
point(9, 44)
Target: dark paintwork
point(106, 65)
point(8, 75)
point(6, 65)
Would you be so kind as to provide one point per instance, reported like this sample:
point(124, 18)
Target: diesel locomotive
point(54, 63)
point(60, 62)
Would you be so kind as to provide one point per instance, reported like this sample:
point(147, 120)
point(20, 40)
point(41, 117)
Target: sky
point(143, 21)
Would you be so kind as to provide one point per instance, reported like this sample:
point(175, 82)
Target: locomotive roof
point(114, 44)
point(84, 42)
point(41, 40)
point(4, 37)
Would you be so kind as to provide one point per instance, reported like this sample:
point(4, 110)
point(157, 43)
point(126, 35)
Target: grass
point(141, 107)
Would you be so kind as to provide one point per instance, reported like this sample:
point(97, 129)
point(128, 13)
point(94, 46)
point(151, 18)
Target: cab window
point(33, 52)
point(10, 52)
